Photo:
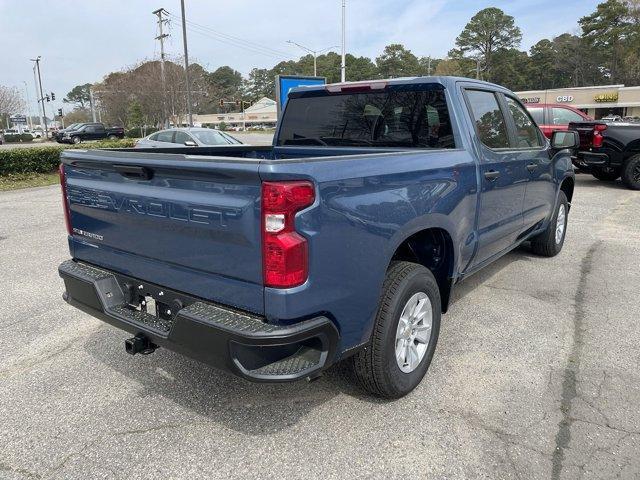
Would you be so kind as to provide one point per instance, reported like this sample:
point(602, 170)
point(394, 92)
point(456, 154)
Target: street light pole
point(315, 54)
point(41, 100)
point(186, 63)
point(26, 93)
point(343, 67)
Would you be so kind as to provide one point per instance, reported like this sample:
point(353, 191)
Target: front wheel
point(112, 137)
point(550, 242)
point(76, 140)
point(631, 173)
point(404, 335)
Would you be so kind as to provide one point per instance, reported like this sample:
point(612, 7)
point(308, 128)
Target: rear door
point(560, 117)
point(530, 146)
point(502, 175)
point(189, 223)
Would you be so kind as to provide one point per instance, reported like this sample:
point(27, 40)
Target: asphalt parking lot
point(535, 376)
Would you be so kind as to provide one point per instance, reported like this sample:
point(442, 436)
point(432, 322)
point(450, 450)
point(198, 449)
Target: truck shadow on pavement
point(251, 408)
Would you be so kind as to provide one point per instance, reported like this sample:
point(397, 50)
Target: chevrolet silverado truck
point(609, 150)
point(340, 242)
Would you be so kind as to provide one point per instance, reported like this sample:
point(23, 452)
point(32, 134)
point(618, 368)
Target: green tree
point(488, 31)
point(259, 84)
point(135, 115)
point(397, 61)
point(576, 65)
point(542, 64)
point(511, 69)
point(224, 83)
point(79, 95)
point(609, 31)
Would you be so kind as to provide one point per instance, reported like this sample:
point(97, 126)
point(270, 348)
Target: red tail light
point(284, 251)
point(65, 200)
point(597, 134)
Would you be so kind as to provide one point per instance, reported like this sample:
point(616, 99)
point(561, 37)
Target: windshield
point(209, 137)
point(396, 117)
point(73, 126)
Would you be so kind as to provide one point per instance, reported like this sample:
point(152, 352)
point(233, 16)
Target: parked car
point(611, 118)
point(190, 137)
point(342, 241)
point(91, 131)
point(555, 117)
point(609, 151)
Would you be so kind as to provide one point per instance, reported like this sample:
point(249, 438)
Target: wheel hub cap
point(414, 332)
point(560, 224)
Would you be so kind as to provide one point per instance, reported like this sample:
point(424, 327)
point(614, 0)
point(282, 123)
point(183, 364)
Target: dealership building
point(596, 102)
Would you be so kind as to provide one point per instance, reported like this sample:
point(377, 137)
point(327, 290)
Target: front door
point(502, 176)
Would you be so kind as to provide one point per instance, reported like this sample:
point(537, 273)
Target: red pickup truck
point(552, 117)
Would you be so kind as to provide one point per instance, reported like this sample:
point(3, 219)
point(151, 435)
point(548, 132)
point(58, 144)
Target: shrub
point(18, 137)
point(222, 126)
point(46, 159)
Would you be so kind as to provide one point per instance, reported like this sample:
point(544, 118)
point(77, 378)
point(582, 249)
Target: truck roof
point(446, 81)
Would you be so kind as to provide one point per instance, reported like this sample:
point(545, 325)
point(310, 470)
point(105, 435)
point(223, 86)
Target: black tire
point(631, 173)
point(112, 137)
point(375, 367)
point(606, 175)
point(76, 140)
point(545, 244)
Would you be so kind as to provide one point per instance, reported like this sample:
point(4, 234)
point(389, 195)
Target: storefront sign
point(530, 100)
point(564, 98)
point(606, 97)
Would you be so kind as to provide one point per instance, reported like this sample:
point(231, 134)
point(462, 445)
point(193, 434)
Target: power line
point(232, 40)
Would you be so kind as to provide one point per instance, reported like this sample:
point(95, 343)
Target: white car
point(189, 137)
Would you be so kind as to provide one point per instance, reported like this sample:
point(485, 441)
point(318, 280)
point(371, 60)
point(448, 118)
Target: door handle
point(491, 175)
point(130, 171)
point(532, 166)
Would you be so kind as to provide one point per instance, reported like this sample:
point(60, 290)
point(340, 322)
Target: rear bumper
point(587, 160)
point(228, 339)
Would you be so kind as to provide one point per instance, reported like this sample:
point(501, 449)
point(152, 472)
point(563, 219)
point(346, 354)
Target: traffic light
point(59, 112)
point(53, 96)
point(221, 102)
point(46, 97)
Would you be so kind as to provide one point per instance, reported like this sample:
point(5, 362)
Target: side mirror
point(568, 139)
point(190, 143)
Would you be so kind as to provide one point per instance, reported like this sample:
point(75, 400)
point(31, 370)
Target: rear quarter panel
point(366, 205)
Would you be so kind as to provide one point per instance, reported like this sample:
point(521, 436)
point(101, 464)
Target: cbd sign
point(564, 98)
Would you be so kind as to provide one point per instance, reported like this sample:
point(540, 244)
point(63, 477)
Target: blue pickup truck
point(342, 241)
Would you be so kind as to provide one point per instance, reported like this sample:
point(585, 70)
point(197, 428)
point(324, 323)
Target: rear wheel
point(631, 173)
point(550, 242)
point(112, 137)
point(404, 335)
point(606, 174)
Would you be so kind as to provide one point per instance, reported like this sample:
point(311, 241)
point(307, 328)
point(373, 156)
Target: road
point(253, 138)
point(535, 376)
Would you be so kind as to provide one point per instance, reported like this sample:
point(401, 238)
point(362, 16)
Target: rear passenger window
point(563, 116)
point(165, 136)
point(490, 123)
point(181, 137)
point(527, 134)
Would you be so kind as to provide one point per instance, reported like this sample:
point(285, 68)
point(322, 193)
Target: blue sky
point(82, 40)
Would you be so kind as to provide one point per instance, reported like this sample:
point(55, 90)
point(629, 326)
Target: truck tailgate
point(189, 223)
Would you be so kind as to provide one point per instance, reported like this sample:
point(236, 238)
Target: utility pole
point(92, 103)
point(186, 63)
point(161, 21)
point(343, 67)
point(41, 100)
point(26, 94)
point(429, 66)
point(35, 86)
